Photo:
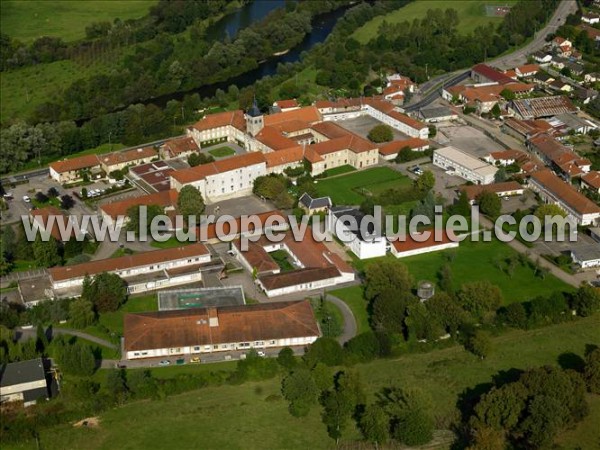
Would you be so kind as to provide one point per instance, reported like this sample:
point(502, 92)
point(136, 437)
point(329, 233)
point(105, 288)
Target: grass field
point(67, 19)
point(353, 297)
point(471, 14)
point(221, 152)
point(339, 170)
point(351, 189)
point(240, 417)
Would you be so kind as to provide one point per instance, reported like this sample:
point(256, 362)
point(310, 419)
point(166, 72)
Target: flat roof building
point(23, 381)
point(464, 165)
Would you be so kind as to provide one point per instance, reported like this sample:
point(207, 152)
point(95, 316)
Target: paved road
point(350, 327)
point(519, 56)
point(31, 332)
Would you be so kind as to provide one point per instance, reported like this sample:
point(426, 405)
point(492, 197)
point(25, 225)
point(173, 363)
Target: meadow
point(29, 20)
point(351, 189)
point(253, 415)
point(471, 14)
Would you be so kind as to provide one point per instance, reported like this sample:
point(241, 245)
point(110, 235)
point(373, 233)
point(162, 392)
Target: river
point(322, 26)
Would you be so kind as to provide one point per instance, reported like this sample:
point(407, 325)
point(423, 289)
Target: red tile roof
point(389, 109)
point(410, 243)
point(78, 163)
point(491, 74)
point(273, 139)
point(565, 192)
point(234, 118)
point(282, 157)
point(392, 148)
point(222, 165)
point(498, 188)
point(127, 262)
point(307, 114)
point(42, 216)
point(164, 199)
point(297, 277)
point(248, 323)
point(175, 147)
point(592, 179)
point(284, 104)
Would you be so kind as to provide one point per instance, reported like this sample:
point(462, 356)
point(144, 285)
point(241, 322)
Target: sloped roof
point(222, 165)
point(164, 199)
point(284, 104)
point(565, 192)
point(22, 372)
point(78, 163)
point(128, 156)
point(307, 114)
point(394, 147)
point(181, 145)
point(273, 139)
point(127, 262)
point(593, 179)
point(248, 323)
point(288, 156)
point(411, 243)
point(497, 188)
point(234, 118)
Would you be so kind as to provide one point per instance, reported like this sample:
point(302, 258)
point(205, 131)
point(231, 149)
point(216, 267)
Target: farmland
point(29, 20)
point(471, 14)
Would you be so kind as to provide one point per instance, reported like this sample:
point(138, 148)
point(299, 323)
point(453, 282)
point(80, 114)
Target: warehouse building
point(464, 165)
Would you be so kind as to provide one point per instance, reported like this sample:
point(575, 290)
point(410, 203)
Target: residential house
point(505, 157)
point(133, 157)
point(75, 169)
point(527, 70)
point(590, 17)
point(314, 205)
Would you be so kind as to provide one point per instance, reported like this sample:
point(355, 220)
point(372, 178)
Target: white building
point(586, 257)
point(386, 113)
point(555, 191)
point(345, 223)
point(419, 243)
point(464, 165)
point(23, 381)
point(141, 271)
point(195, 332)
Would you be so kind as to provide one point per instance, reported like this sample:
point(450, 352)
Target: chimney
point(213, 318)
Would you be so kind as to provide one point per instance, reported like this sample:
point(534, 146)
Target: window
point(196, 349)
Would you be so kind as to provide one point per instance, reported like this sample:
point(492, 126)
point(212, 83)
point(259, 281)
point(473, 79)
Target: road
point(31, 332)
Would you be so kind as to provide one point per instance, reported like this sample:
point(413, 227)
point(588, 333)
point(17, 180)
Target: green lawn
point(339, 170)
point(28, 20)
point(475, 261)
point(471, 14)
point(282, 258)
point(221, 152)
point(351, 189)
point(353, 297)
point(242, 411)
point(172, 242)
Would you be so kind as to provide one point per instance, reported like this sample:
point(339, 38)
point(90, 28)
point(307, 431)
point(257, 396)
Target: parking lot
point(468, 139)
point(363, 124)
point(239, 206)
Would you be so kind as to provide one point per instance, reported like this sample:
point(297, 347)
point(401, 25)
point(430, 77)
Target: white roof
point(465, 160)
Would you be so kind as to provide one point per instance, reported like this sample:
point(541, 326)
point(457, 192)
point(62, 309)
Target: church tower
point(255, 120)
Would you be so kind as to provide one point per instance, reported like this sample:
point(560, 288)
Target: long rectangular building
point(554, 190)
point(208, 330)
point(464, 165)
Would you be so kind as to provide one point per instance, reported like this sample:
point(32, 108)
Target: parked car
point(261, 353)
point(164, 362)
point(506, 198)
point(26, 199)
point(194, 360)
point(180, 361)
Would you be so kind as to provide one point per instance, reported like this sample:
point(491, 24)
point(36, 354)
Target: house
point(584, 95)
point(114, 212)
point(543, 78)
point(485, 96)
point(562, 46)
point(555, 191)
point(24, 381)
point(505, 157)
point(423, 242)
point(482, 73)
point(434, 114)
point(591, 181)
point(542, 57)
point(464, 165)
point(591, 77)
point(357, 232)
point(390, 150)
point(74, 169)
point(527, 70)
point(586, 257)
point(314, 205)
point(593, 33)
point(313, 265)
point(590, 17)
point(286, 105)
point(178, 147)
point(120, 160)
point(560, 86)
point(207, 330)
point(142, 272)
point(534, 108)
point(504, 189)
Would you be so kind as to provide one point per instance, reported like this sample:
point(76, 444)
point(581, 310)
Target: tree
point(425, 182)
point(446, 280)
point(66, 202)
point(81, 313)
point(381, 133)
point(432, 131)
point(414, 428)
point(501, 408)
point(197, 159)
point(591, 372)
point(134, 215)
point(190, 202)
point(52, 192)
point(500, 175)
point(374, 424)
point(445, 310)
point(46, 253)
point(286, 358)
point(115, 386)
point(340, 403)
point(480, 298)
point(5, 265)
point(365, 346)
point(479, 343)
point(489, 203)
point(270, 186)
point(549, 209)
point(107, 291)
point(462, 207)
point(515, 315)
point(326, 350)
point(407, 410)
point(507, 94)
point(8, 245)
point(586, 301)
point(300, 390)
point(41, 197)
point(141, 383)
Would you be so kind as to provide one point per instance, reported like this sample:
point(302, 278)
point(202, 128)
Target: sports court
point(178, 299)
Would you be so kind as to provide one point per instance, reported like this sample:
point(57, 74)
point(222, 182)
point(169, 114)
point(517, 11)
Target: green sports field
point(27, 20)
point(471, 14)
point(351, 189)
point(241, 417)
